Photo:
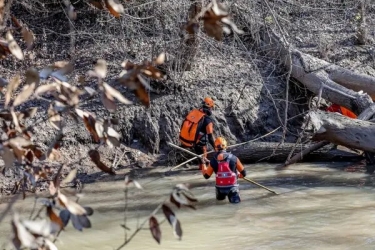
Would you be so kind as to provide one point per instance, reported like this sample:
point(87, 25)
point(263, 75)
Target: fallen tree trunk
point(331, 82)
point(264, 151)
point(317, 74)
point(365, 115)
point(341, 130)
point(326, 80)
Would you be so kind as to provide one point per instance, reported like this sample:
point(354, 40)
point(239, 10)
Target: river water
point(319, 206)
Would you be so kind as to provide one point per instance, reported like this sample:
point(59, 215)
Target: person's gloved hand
point(239, 175)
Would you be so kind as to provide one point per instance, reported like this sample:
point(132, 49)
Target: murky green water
point(319, 207)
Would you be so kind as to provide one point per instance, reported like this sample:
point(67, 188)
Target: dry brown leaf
point(212, 25)
point(62, 72)
point(25, 94)
point(95, 157)
point(70, 177)
point(90, 91)
point(54, 217)
point(13, 46)
point(21, 236)
point(12, 86)
point(72, 206)
point(101, 68)
point(173, 221)
point(111, 136)
point(28, 37)
point(155, 229)
point(214, 19)
point(19, 142)
point(108, 101)
point(160, 59)
point(89, 122)
point(15, 121)
point(116, 94)
point(114, 7)
point(54, 118)
point(111, 132)
point(97, 3)
point(42, 227)
point(220, 9)
point(60, 64)
point(19, 153)
point(72, 14)
point(32, 76)
point(52, 152)
point(45, 88)
point(37, 151)
point(142, 94)
point(191, 27)
point(14, 19)
point(28, 113)
point(81, 79)
point(54, 155)
point(99, 128)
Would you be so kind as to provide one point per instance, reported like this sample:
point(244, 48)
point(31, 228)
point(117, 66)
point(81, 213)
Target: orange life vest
point(190, 128)
point(342, 110)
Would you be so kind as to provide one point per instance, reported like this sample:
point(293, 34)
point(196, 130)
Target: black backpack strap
point(199, 126)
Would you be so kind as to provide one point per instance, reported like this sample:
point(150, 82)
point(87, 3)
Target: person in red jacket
point(228, 168)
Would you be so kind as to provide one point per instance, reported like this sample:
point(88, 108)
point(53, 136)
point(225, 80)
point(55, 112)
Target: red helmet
point(208, 102)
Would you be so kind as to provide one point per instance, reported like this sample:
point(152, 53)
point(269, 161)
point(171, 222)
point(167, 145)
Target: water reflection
point(320, 206)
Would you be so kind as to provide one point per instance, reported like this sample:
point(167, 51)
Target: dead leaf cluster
point(113, 6)
point(10, 46)
point(33, 234)
point(101, 131)
point(216, 20)
point(108, 93)
point(180, 196)
point(19, 149)
point(74, 212)
point(133, 75)
point(95, 157)
point(69, 209)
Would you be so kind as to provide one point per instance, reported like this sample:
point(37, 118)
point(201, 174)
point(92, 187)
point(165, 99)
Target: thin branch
point(140, 226)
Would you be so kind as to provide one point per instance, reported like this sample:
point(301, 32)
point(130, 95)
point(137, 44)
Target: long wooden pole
point(249, 180)
point(198, 156)
point(230, 146)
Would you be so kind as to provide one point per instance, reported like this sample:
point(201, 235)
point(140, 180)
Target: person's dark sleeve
point(210, 132)
point(211, 140)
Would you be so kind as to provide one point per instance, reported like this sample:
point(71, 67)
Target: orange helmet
point(208, 102)
point(220, 144)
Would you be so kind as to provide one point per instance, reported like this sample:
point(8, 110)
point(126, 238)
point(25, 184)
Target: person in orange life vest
point(228, 168)
point(197, 128)
point(342, 110)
